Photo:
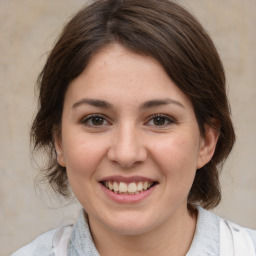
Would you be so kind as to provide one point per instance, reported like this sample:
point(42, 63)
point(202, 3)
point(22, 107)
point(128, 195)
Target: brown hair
point(157, 28)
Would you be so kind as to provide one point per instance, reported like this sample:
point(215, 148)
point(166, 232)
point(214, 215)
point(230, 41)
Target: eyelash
point(165, 118)
point(86, 121)
point(89, 118)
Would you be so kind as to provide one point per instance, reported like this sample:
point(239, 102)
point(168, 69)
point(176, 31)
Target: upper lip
point(130, 179)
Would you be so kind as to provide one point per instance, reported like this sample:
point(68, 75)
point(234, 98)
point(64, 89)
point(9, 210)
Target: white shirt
point(214, 236)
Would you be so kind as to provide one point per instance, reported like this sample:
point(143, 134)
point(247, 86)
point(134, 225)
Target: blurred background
point(28, 31)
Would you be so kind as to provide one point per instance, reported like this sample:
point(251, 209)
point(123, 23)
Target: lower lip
point(128, 199)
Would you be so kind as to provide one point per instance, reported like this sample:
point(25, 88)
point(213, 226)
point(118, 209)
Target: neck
point(173, 237)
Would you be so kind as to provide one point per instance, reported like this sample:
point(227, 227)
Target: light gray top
point(206, 240)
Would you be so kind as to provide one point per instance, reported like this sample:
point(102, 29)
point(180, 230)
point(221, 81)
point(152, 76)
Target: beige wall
point(28, 29)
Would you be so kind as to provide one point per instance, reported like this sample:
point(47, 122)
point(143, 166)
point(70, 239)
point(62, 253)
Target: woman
point(134, 116)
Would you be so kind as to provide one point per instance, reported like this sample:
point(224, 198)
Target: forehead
point(115, 60)
point(118, 73)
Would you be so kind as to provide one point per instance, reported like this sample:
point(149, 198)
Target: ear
point(59, 148)
point(208, 143)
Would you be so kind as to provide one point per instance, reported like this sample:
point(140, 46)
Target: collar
point(81, 242)
point(205, 242)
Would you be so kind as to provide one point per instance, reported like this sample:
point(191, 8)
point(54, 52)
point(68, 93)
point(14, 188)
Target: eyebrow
point(93, 102)
point(145, 105)
point(160, 102)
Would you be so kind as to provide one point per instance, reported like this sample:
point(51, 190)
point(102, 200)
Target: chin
point(129, 230)
point(132, 225)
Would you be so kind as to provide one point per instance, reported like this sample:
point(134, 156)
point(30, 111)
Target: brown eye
point(95, 121)
point(160, 120)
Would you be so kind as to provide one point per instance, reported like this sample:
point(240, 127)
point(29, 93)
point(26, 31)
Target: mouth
point(131, 188)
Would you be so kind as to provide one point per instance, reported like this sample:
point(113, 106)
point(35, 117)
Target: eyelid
point(88, 117)
point(171, 120)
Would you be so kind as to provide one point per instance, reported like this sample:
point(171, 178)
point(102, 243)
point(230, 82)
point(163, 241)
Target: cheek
point(82, 154)
point(177, 157)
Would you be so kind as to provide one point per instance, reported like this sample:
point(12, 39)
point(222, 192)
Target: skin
point(127, 139)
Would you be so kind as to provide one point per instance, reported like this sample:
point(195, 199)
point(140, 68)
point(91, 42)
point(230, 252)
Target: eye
point(95, 121)
point(160, 120)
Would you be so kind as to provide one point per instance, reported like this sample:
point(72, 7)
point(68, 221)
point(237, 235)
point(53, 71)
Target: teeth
point(123, 187)
point(132, 188)
point(140, 186)
point(115, 186)
point(128, 188)
point(145, 185)
point(110, 186)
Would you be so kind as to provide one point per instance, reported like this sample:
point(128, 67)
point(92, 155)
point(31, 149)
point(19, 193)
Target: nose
point(127, 147)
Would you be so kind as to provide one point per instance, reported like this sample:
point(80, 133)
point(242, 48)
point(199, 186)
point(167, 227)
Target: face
point(130, 142)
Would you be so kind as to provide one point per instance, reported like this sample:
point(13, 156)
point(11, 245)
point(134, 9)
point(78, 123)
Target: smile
point(131, 188)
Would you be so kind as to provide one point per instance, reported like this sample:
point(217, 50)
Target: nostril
point(127, 156)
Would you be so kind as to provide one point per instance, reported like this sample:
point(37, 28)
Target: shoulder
point(252, 233)
point(41, 246)
point(243, 239)
point(215, 234)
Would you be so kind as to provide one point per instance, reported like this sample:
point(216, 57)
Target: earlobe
point(59, 150)
point(208, 143)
